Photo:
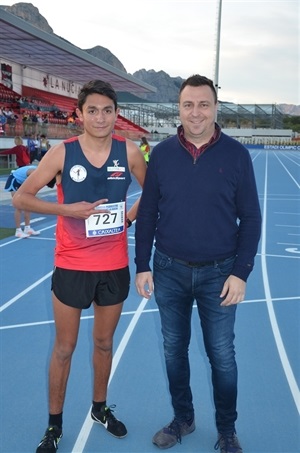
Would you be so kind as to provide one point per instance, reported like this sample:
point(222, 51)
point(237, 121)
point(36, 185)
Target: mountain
point(167, 86)
point(290, 109)
point(29, 13)
point(105, 55)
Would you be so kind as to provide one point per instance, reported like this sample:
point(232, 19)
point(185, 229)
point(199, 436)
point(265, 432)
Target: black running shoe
point(49, 443)
point(109, 421)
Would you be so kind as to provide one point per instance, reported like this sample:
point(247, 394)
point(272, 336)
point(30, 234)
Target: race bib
point(108, 223)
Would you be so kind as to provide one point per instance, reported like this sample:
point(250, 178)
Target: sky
point(259, 58)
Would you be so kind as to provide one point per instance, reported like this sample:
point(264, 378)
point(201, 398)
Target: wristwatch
point(129, 223)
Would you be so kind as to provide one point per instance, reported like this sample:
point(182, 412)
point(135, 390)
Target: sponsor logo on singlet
point(115, 172)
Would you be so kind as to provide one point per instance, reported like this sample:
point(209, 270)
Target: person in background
point(200, 204)
point(13, 183)
point(11, 120)
point(26, 123)
point(21, 152)
point(45, 123)
point(3, 121)
point(93, 173)
point(34, 122)
point(33, 147)
point(44, 145)
point(145, 148)
point(71, 121)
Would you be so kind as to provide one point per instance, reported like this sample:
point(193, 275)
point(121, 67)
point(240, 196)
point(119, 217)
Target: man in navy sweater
point(200, 206)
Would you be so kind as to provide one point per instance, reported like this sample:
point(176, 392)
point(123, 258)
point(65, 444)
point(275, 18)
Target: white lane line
point(37, 219)
point(276, 332)
point(21, 294)
point(18, 239)
point(88, 423)
point(287, 226)
point(292, 177)
point(287, 213)
point(288, 243)
point(148, 310)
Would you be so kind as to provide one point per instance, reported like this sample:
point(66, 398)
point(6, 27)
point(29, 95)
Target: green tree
point(292, 122)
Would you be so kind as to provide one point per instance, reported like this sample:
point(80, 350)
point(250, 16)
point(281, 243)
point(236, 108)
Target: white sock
point(27, 227)
point(18, 230)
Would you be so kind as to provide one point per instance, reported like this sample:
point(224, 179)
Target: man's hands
point(233, 290)
point(144, 284)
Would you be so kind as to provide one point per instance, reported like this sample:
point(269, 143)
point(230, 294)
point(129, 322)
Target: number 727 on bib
point(107, 223)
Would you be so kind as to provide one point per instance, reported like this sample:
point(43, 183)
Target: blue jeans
point(176, 287)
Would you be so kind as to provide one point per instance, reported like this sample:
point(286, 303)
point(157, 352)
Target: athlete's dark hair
point(197, 80)
point(98, 87)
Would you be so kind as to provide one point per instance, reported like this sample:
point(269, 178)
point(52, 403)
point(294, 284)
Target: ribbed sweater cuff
point(142, 266)
point(241, 272)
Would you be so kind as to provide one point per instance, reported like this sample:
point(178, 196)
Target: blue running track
point(267, 342)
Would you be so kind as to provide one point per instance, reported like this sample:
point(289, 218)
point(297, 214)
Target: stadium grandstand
point(41, 75)
point(233, 116)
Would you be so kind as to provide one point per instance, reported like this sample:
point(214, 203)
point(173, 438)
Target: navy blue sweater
point(201, 210)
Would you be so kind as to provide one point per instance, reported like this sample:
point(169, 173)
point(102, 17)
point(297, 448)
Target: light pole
point(218, 48)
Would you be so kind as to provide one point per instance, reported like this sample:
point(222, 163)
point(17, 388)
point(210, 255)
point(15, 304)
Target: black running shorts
point(79, 289)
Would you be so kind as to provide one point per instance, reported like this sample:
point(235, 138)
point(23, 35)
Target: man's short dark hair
point(197, 80)
point(98, 87)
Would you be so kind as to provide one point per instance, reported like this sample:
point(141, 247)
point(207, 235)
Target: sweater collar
point(192, 149)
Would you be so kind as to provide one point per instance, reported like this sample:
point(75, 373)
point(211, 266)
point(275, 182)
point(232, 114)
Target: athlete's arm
point(132, 213)
point(50, 166)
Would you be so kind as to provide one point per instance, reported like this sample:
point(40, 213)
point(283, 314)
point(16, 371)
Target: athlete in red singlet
point(91, 260)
